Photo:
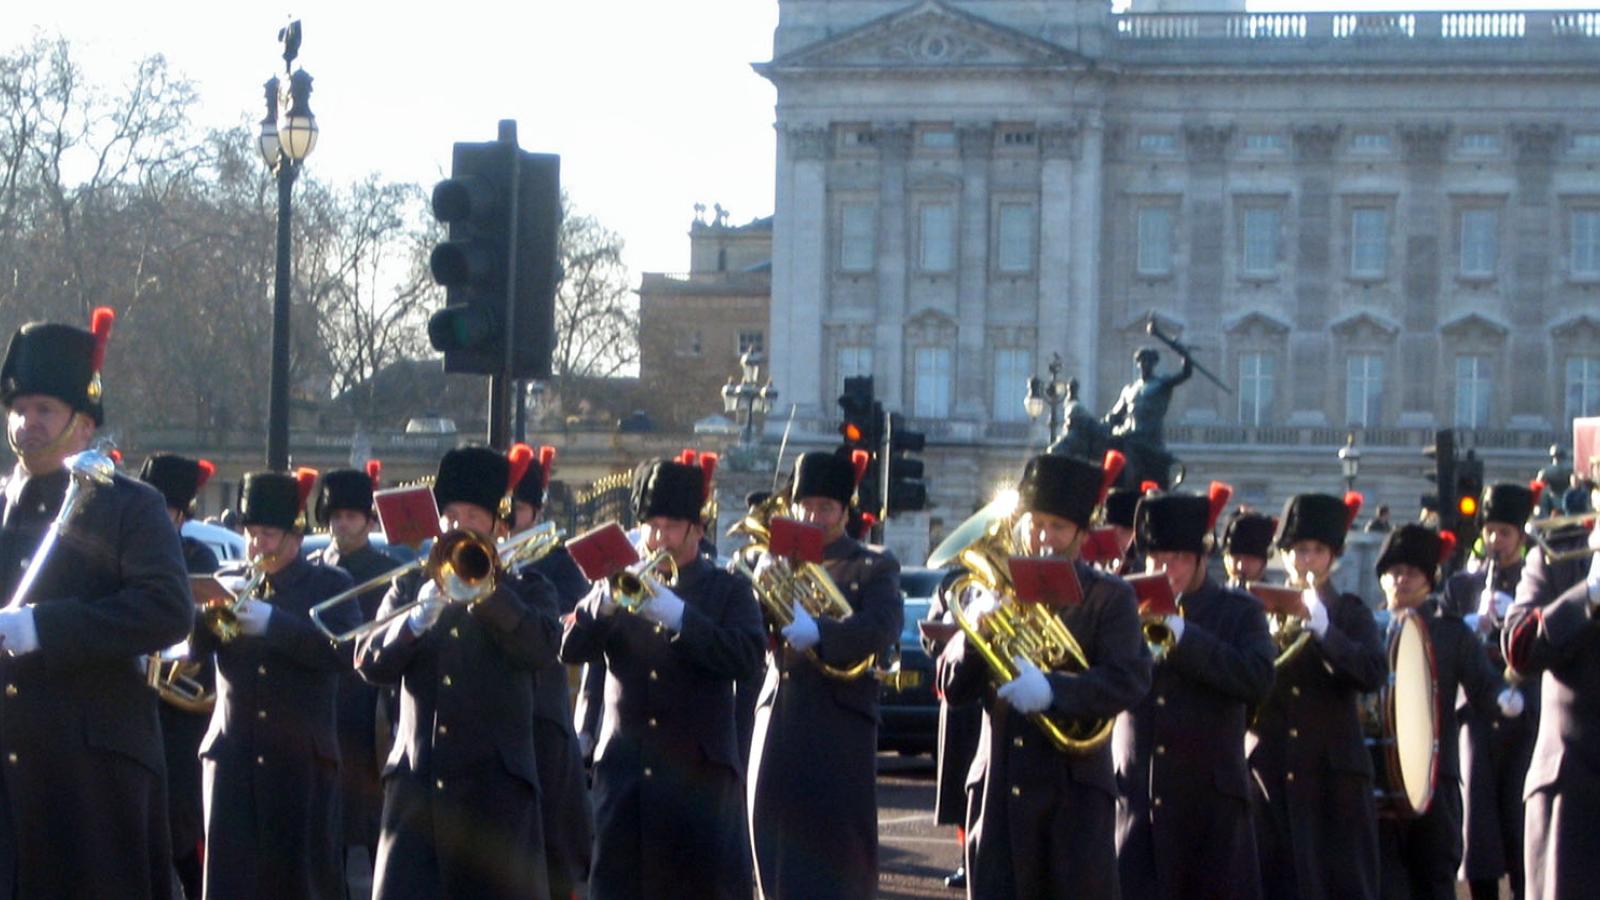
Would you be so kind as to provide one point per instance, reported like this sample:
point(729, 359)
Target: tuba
point(983, 545)
point(466, 568)
point(783, 581)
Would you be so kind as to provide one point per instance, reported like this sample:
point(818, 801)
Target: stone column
point(1532, 366)
point(1424, 216)
point(1309, 351)
point(888, 354)
point(801, 234)
point(1210, 243)
point(1062, 317)
point(1088, 230)
point(972, 286)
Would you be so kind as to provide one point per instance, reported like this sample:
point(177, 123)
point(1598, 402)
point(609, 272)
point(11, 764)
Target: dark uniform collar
point(291, 575)
point(843, 548)
point(333, 557)
point(693, 572)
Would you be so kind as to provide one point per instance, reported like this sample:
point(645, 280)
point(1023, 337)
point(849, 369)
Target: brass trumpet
point(221, 614)
point(634, 586)
point(1158, 635)
point(466, 568)
point(1012, 628)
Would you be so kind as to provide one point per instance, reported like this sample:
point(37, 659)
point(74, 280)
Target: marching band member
point(271, 756)
point(461, 804)
point(1550, 633)
point(82, 794)
point(1311, 799)
point(959, 730)
point(1246, 545)
point(814, 829)
point(1118, 511)
point(179, 479)
point(668, 783)
point(344, 507)
point(1040, 822)
point(563, 788)
point(1420, 855)
point(1495, 751)
point(1183, 818)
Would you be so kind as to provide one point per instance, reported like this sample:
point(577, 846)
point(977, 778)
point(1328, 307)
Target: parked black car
point(910, 712)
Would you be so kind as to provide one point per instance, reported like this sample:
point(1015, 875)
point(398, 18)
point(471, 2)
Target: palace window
point(1583, 386)
point(932, 375)
point(852, 361)
point(858, 245)
point(1260, 239)
point(1363, 381)
point(752, 341)
point(1155, 240)
point(1256, 371)
point(1158, 142)
point(1369, 242)
point(1472, 391)
point(1012, 369)
point(1480, 242)
point(1586, 243)
point(938, 238)
point(1015, 238)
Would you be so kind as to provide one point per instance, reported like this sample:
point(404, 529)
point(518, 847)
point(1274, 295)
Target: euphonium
point(1013, 628)
point(781, 582)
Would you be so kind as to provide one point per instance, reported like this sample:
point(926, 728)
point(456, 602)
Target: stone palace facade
point(1379, 223)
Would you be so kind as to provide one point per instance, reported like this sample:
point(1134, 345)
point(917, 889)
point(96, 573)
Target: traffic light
point(1444, 500)
point(908, 492)
point(500, 264)
point(862, 429)
point(1469, 492)
point(474, 264)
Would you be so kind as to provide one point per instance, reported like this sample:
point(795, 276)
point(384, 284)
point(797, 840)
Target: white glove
point(233, 584)
point(664, 609)
point(802, 633)
point(978, 601)
point(1511, 703)
point(1316, 613)
point(18, 636)
point(1476, 623)
point(1029, 692)
point(428, 610)
point(253, 616)
point(1175, 625)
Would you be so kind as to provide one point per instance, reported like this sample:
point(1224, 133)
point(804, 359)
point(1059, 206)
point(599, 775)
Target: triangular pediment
point(1475, 325)
point(927, 35)
point(1364, 324)
point(1257, 322)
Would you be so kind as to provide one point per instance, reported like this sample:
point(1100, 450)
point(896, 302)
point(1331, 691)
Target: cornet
point(466, 568)
point(221, 614)
point(634, 586)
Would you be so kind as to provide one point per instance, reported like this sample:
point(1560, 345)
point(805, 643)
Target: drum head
point(1413, 712)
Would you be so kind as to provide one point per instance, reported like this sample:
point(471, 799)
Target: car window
point(916, 611)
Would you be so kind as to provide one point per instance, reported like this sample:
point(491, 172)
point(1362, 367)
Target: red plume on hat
point(1110, 470)
point(207, 469)
point(1537, 487)
point(520, 457)
point(547, 459)
point(100, 326)
point(1447, 546)
point(1148, 487)
point(307, 478)
point(116, 456)
point(688, 457)
point(1352, 502)
point(1219, 496)
point(859, 460)
point(375, 472)
point(708, 467)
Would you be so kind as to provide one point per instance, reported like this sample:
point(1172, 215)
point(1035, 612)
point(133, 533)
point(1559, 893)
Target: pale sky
point(651, 104)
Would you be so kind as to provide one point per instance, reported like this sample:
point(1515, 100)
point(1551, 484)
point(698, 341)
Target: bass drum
point(1401, 721)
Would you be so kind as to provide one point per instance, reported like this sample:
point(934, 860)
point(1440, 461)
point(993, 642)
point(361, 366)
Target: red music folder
point(1279, 599)
point(794, 539)
point(602, 551)
point(1100, 547)
point(1154, 593)
point(1053, 582)
point(408, 515)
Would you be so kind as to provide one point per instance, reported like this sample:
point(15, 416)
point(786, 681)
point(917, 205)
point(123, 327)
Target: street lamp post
point(749, 397)
point(1350, 461)
point(284, 150)
point(1050, 394)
